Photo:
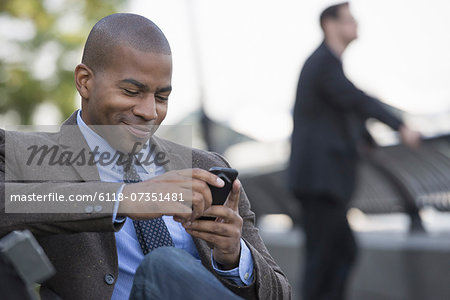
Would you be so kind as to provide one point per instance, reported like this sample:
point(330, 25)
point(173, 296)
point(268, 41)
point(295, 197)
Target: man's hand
point(224, 234)
point(191, 183)
point(410, 137)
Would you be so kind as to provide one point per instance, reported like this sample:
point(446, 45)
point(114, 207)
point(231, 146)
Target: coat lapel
point(71, 136)
point(178, 158)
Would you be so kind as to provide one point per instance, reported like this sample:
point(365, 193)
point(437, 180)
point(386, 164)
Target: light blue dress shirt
point(129, 251)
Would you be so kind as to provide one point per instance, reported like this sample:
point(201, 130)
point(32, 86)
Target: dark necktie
point(151, 233)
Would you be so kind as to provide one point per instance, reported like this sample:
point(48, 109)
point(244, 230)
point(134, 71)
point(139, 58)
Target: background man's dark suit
point(329, 117)
point(82, 246)
point(327, 125)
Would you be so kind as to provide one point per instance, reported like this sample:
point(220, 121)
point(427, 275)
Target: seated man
point(124, 81)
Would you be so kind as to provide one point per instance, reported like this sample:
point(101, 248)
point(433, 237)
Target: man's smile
point(139, 131)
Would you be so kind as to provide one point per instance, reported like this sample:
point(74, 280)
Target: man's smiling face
point(132, 91)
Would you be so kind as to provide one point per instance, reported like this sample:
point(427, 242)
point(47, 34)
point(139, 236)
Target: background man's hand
point(410, 137)
point(224, 234)
point(192, 183)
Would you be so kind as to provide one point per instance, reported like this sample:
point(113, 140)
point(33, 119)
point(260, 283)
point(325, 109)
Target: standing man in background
point(329, 117)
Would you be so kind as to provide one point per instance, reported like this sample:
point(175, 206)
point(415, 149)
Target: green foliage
point(58, 29)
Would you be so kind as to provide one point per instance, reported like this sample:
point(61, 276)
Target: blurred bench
point(390, 179)
point(422, 175)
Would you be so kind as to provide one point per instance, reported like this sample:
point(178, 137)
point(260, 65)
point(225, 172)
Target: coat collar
point(71, 136)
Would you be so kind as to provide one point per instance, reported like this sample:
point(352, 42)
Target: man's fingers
point(201, 187)
point(212, 239)
point(233, 198)
point(182, 218)
point(192, 183)
point(225, 213)
point(208, 177)
point(221, 229)
point(191, 174)
point(198, 205)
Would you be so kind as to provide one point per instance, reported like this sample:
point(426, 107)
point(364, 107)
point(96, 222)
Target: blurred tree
point(41, 43)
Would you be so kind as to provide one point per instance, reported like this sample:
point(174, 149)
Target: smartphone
point(219, 195)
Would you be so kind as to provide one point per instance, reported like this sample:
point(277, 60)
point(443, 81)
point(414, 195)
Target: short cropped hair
point(331, 12)
point(131, 30)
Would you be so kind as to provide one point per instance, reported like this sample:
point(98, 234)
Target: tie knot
point(129, 162)
point(130, 174)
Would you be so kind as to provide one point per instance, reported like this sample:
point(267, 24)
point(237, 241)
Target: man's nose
point(146, 108)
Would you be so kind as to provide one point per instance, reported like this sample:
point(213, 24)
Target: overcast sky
point(247, 55)
point(251, 53)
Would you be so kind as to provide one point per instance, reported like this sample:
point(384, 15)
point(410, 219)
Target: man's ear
point(83, 80)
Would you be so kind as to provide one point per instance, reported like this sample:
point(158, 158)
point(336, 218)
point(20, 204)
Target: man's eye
point(127, 91)
point(161, 98)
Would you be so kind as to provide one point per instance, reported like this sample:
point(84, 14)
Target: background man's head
point(338, 23)
point(125, 79)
